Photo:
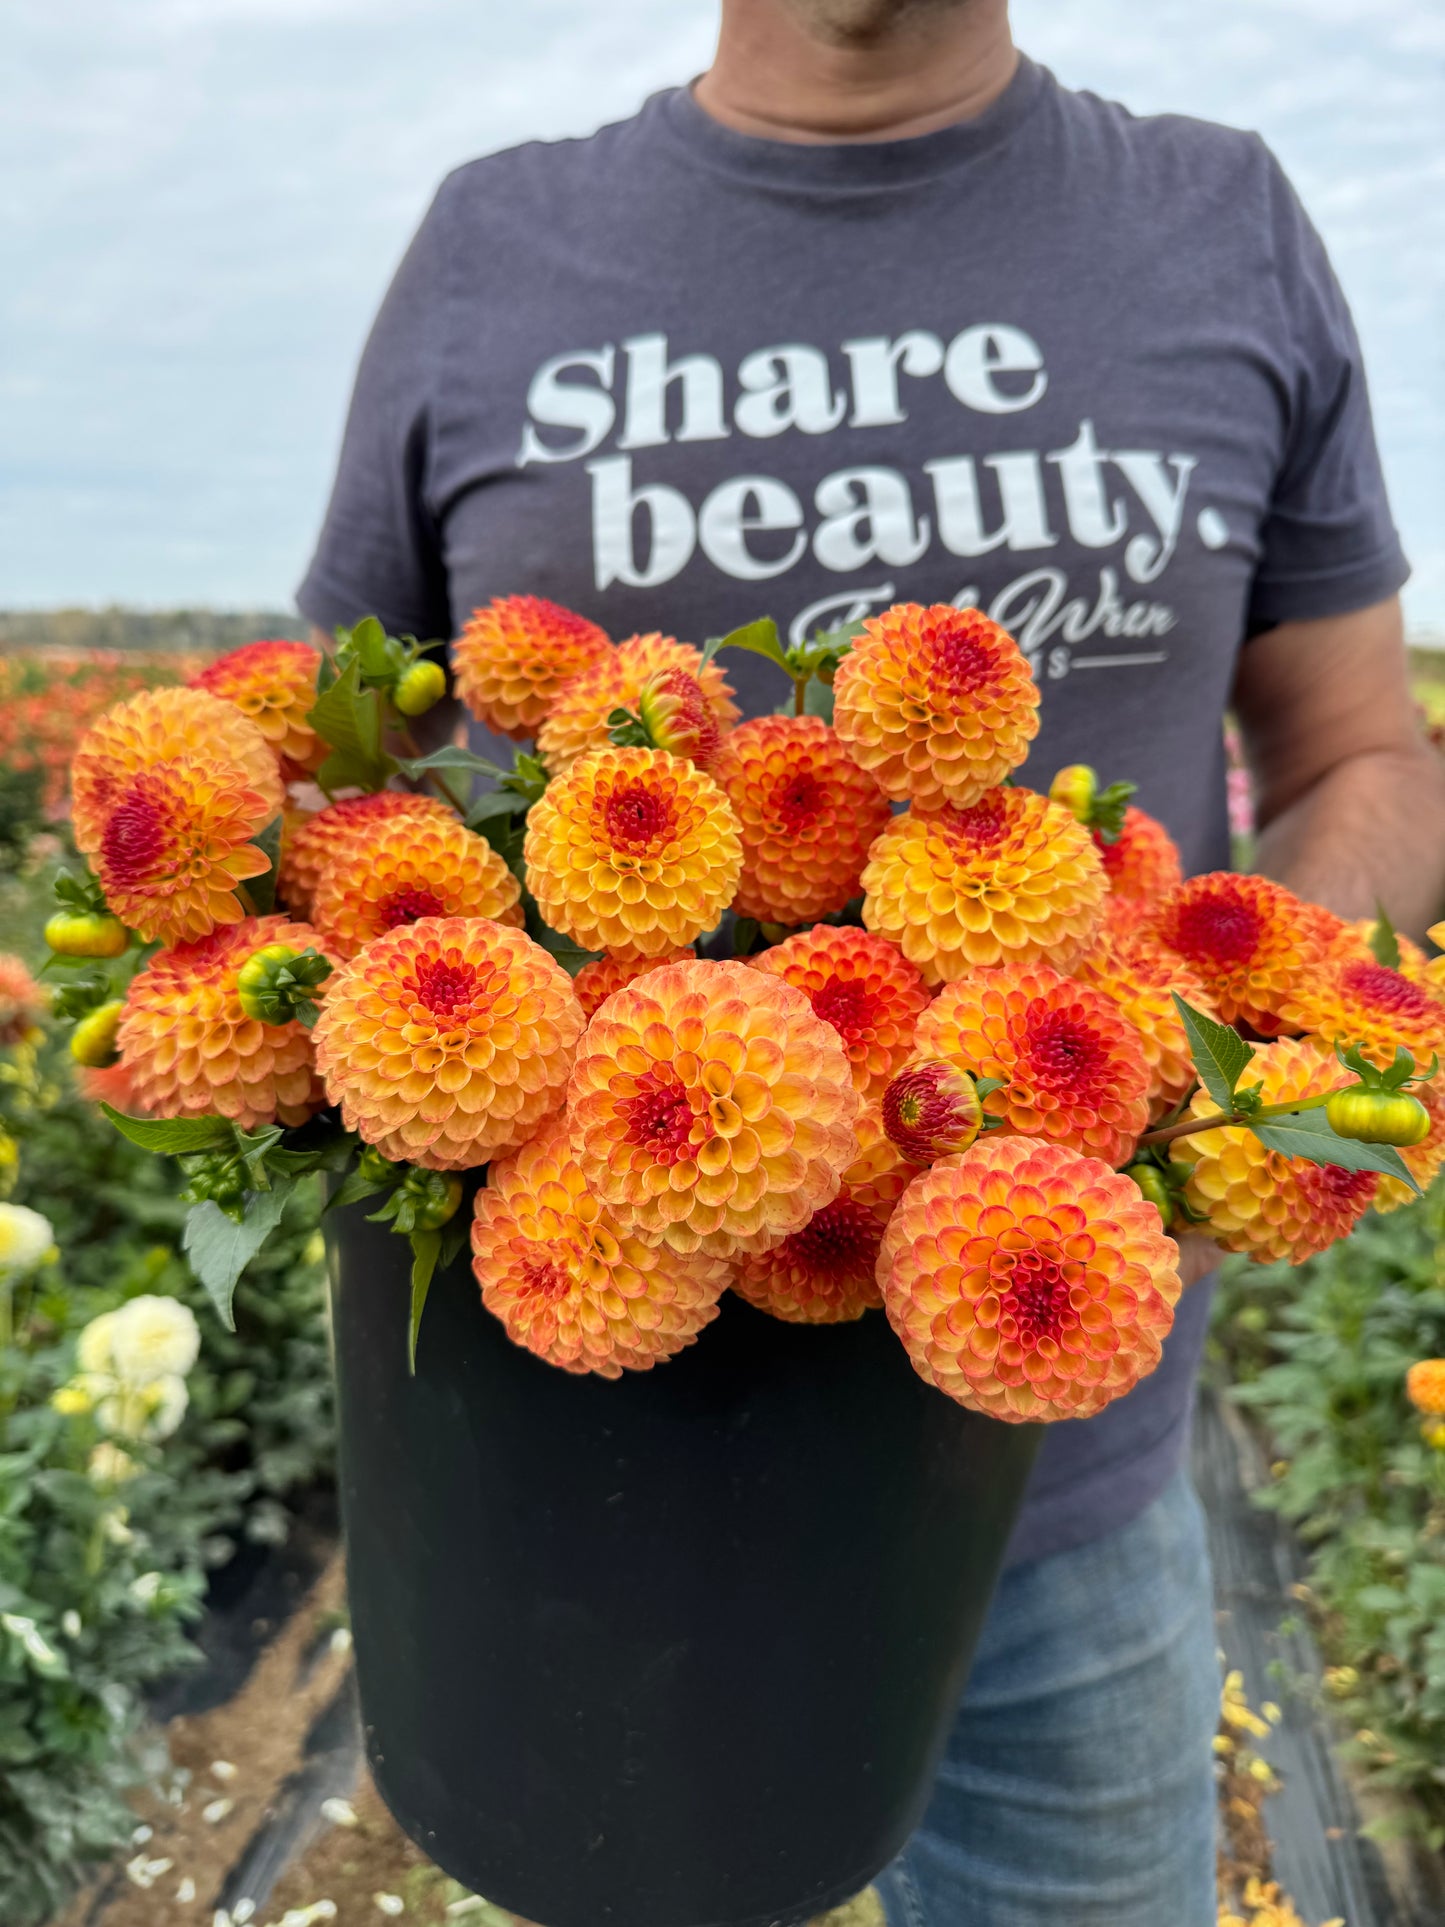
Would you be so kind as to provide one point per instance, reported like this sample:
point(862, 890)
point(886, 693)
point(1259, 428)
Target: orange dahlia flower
point(674, 710)
point(447, 1041)
point(274, 683)
point(808, 815)
point(860, 984)
point(937, 704)
point(595, 982)
point(22, 1001)
point(1140, 978)
point(1353, 942)
point(1028, 1282)
point(400, 868)
point(931, 1110)
point(111, 1084)
point(346, 826)
point(632, 851)
point(514, 656)
point(1261, 1201)
point(568, 1282)
point(1012, 878)
point(825, 1274)
point(711, 1109)
point(576, 722)
point(191, 1051)
point(1252, 943)
point(1142, 866)
point(1425, 1386)
point(155, 727)
point(1423, 1160)
point(1359, 1001)
point(1071, 1066)
point(175, 844)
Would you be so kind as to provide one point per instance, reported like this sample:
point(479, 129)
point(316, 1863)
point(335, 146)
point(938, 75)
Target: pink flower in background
point(1240, 784)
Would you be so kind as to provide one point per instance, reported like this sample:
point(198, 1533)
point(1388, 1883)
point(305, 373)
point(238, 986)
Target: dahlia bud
point(677, 717)
point(92, 1043)
point(419, 686)
point(86, 933)
point(1075, 786)
point(1377, 1116)
point(278, 985)
point(931, 1110)
point(1152, 1182)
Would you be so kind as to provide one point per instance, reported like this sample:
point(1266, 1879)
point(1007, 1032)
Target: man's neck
point(781, 75)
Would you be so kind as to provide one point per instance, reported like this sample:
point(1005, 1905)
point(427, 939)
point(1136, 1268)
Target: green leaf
point(759, 638)
point(220, 1249)
point(349, 718)
point(450, 756)
point(818, 700)
point(1220, 1054)
point(355, 1186)
point(262, 889)
point(172, 1136)
point(493, 803)
point(1107, 811)
point(369, 644)
point(745, 936)
point(425, 1250)
point(1384, 944)
point(1307, 1134)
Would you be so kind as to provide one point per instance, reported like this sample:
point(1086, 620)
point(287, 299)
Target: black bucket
point(677, 1650)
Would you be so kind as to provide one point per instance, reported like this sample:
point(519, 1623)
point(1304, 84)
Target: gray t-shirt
point(1090, 372)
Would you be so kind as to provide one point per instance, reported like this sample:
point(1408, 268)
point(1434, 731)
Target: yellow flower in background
point(133, 1362)
point(26, 1238)
point(1425, 1386)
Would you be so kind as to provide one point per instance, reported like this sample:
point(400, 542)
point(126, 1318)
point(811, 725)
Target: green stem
point(800, 695)
point(1224, 1119)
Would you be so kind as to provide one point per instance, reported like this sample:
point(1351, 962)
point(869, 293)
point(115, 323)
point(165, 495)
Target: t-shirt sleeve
point(1329, 545)
point(379, 552)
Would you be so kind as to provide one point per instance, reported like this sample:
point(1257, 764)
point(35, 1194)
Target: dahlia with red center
point(1141, 978)
point(938, 704)
point(860, 984)
point(1359, 1001)
point(1070, 1066)
point(1028, 1282)
point(1252, 943)
point(931, 1110)
point(807, 815)
point(395, 869)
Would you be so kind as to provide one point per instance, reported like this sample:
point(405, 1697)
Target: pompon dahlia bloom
point(1142, 866)
point(1071, 1065)
point(938, 704)
point(632, 851)
point(274, 683)
point(1140, 978)
point(402, 868)
point(576, 722)
point(22, 1001)
point(1359, 1001)
point(808, 815)
point(448, 1040)
point(1259, 1201)
point(306, 850)
point(1422, 1160)
point(1028, 1282)
point(1009, 879)
point(1425, 1386)
point(595, 982)
point(1353, 942)
point(513, 657)
point(191, 1051)
point(156, 727)
point(710, 1109)
point(175, 844)
point(568, 1282)
point(1252, 943)
point(863, 986)
point(825, 1274)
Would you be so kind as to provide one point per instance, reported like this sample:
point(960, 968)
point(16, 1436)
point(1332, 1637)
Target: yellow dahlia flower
point(632, 851)
point(808, 815)
point(1142, 866)
point(938, 704)
point(595, 982)
point(156, 727)
point(1012, 878)
point(1028, 1282)
point(188, 1048)
point(175, 844)
point(400, 868)
point(1359, 1001)
point(1140, 978)
point(1425, 1386)
point(514, 656)
point(448, 1041)
point(860, 984)
point(274, 683)
point(568, 1282)
point(710, 1109)
point(1262, 1202)
point(316, 840)
point(576, 721)
point(1070, 1065)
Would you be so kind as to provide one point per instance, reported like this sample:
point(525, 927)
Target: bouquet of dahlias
point(822, 1008)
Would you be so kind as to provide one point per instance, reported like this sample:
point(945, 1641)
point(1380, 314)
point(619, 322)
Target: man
point(878, 311)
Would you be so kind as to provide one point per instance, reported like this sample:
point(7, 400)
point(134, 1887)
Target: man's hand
point(1198, 1256)
point(1350, 796)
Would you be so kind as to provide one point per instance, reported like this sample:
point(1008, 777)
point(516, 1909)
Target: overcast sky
point(202, 200)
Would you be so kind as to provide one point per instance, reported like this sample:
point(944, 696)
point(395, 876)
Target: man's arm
point(1350, 796)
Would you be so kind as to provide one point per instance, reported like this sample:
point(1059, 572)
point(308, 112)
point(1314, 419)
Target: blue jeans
point(1077, 1789)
